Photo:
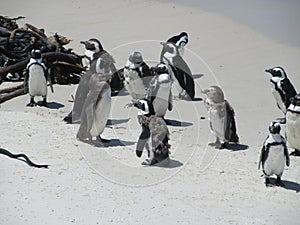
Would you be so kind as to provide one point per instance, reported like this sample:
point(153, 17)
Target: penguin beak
point(205, 91)
point(83, 42)
point(268, 70)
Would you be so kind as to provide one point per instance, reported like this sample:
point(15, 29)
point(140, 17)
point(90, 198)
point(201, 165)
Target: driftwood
point(17, 43)
point(9, 93)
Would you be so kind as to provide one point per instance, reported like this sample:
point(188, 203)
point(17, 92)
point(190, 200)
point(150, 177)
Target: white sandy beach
point(88, 184)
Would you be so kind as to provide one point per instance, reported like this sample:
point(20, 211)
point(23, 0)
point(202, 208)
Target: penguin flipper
point(186, 81)
point(287, 157)
point(263, 155)
point(231, 131)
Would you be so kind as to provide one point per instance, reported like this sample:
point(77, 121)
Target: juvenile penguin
point(180, 41)
point(282, 89)
point(293, 125)
point(170, 55)
point(154, 136)
point(159, 91)
point(96, 108)
point(221, 117)
point(137, 76)
point(102, 63)
point(274, 155)
point(37, 77)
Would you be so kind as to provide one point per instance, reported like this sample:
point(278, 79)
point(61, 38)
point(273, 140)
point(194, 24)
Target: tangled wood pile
point(16, 45)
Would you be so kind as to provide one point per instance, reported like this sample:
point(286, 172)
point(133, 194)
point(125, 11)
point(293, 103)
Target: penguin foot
point(149, 162)
point(103, 140)
point(268, 182)
point(279, 182)
point(31, 104)
point(68, 119)
point(234, 139)
point(295, 153)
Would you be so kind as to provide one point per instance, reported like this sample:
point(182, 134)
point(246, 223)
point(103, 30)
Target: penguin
point(282, 88)
point(94, 49)
point(92, 46)
point(137, 76)
point(96, 108)
point(154, 136)
point(221, 117)
point(180, 41)
point(102, 63)
point(274, 155)
point(159, 91)
point(158, 142)
point(36, 78)
point(293, 125)
point(180, 71)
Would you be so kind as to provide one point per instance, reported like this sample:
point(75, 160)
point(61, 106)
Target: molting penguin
point(36, 77)
point(293, 125)
point(180, 41)
point(274, 155)
point(159, 91)
point(221, 117)
point(282, 88)
point(170, 55)
point(96, 108)
point(102, 63)
point(154, 135)
point(137, 76)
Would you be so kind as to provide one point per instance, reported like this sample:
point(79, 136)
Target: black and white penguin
point(154, 136)
point(180, 41)
point(96, 108)
point(137, 76)
point(92, 46)
point(36, 78)
point(94, 50)
point(102, 63)
point(293, 125)
point(170, 55)
point(274, 155)
point(159, 91)
point(221, 117)
point(282, 89)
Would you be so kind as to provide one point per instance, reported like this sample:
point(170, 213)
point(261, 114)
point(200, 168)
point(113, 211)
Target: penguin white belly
point(293, 129)
point(161, 101)
point(218, 118)
point(134, 84)
point(278, 99)
point(37, 83)
point(101, 115)
point(275, 161)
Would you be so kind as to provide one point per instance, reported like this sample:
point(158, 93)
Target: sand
point(88, 184)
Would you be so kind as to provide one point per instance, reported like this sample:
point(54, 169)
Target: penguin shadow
point(172, 164)
point(197, 76)
point(51, 105)
point(108, 143)
point(117, 143)
point(236, 147)
point(111, 122)
point(176, 123)
point(197, 99)
point(289, 185)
